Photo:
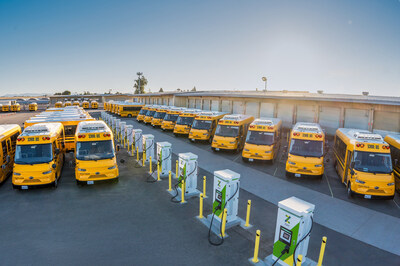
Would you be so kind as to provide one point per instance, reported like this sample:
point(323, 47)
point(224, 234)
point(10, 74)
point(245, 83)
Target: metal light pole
point(265, 80)
point(139, 74)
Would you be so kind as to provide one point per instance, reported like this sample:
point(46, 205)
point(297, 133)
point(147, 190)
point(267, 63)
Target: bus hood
point(34, 170)
point(306, 160)
point(98, 166)
point(371, 177)
point(260, 148)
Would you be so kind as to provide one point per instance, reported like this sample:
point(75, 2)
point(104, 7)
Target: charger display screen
point(218, 196)
point(285, 235)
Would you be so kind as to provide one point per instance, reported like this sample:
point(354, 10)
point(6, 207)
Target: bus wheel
point(288, 175)
point(176, 135)
point(79, 183)
point(245, 160)
point(129, 115)
point(213, 149)
point(55, 184)
point(349, 191)
point(115, 180)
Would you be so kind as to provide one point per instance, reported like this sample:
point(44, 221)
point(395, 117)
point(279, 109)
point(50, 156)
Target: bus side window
point(4, 150)
point(214, 124)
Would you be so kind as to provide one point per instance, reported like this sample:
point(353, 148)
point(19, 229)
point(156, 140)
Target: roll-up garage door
point(356, 118)
point(214, 105)
point(285, 113)
point(252, 108)
point(206, 105)
point(386, 122)
point(198, 103)
point(165, 102)
point(191, 103)
point(329, 119)
point(305, 113)
point(267, 110)
point(226, 106)
point(238, 107)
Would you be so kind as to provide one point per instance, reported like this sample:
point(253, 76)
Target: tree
point(66, 93)
point(161, 90)
point(143, 83)
point(194, 88)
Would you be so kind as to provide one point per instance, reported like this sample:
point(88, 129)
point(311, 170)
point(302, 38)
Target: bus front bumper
point(33, 179)
point(258, 155)
point(370, 192)
point(299, 171)
point(95, 175)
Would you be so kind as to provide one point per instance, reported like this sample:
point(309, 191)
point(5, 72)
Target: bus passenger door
point(347, 169)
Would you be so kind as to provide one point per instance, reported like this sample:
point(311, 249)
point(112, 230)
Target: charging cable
point(180, 182)
point(298, 243)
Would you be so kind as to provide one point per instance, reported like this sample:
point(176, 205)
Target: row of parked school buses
point(85, 104)
point(14, 107)
point(366, 163)
point(35, 156)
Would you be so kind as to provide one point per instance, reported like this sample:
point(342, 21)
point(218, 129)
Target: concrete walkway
point(369, 226)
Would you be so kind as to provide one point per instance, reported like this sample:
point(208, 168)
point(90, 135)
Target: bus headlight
point(112, 167)
point(360, 181)
point(81, 170)
point(205, 134)
point(268, 151)
point(391, 184)
point(232, 142)
point(16, 173)
point(246, 150)
point(318, 165)
point(46, 173)
point(292, 163)
point(214, 140)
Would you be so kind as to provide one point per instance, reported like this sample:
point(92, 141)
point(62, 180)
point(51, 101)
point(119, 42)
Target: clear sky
point(339, 46)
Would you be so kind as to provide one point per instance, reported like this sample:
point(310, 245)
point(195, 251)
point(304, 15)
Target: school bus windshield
point(33, 154)
point(94, 150)
point(159, 114)
point(202, 124)
point(150, 113)
point(170, 117)
point(227, 131)
point(184, 120)
point(306, 148)
point(260, 138)
point(372, 162)
point(142, 111)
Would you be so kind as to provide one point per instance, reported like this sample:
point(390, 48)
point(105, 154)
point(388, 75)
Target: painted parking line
point(329, 185)
point(398, 206)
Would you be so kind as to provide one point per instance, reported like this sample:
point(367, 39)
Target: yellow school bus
point(85, 105)
point(6, 107)
point(58, 105)
point(394, 143)
point(306, 151)
point(15, 107)
point(94, 105)
point(76, 103)
point(67, 103)
point(129, 109)
point(39, 156)
point(263, 140)
point(142, 113)
point(362, 161)
point(170, 118)
point(8, 138)
point(159, 116)
point(33, 107)
point(150, 114)
point(231, 132)
point(105, 106)
point(184, 121)
point(94, 153)
point(204, 125)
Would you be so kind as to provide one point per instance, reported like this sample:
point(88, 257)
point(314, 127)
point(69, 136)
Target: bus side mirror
point(3, 166)
point(8, 159)
point(57, 151)
point(352, 165)
point(54, 166)
point(396, 161)
point(118, 147)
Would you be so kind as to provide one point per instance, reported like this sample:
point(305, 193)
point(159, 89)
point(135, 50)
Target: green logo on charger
point(287, 219)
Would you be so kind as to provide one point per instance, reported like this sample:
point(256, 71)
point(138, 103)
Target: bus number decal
point(92, 136)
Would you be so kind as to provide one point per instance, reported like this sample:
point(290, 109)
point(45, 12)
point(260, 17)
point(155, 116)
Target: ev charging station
point(292, 232)
point(117, 125)
point(164, 154)
point(122, 126)
point(129, 138)
point(226, 195)
point(148, 146)
point(137, 139)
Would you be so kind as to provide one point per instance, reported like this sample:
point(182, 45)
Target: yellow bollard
point(176, 169)
point(183, 191)
point(169, 181)
point(128, 146)
point(322, 251)
point(150, 165)
point(201, 207)
point(137, 154)
point(299, 260)
point(204, 186)
point(247, 224)
point(144, 158)
point(124, 143)
point(224, 222)
point(256, 247)
point(158, 171)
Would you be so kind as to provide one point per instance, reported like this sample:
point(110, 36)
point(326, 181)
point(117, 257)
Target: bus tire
point(175, 135)
point(115, 180)
point(79, 183)
point(288, 175)
point(55, 183)
point(213, 149)
point(350, 193)
point(129, 115)
point(245, 160)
